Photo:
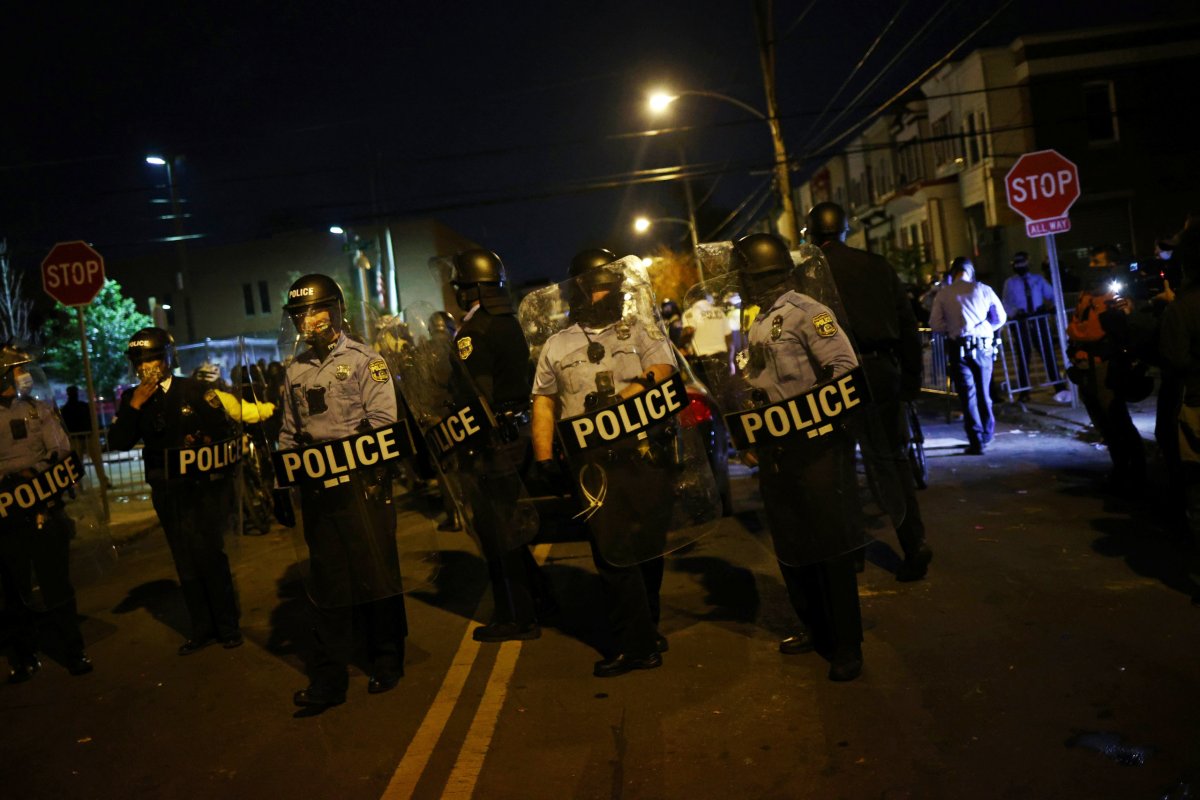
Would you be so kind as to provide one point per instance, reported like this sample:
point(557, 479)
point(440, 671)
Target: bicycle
point(916, 447)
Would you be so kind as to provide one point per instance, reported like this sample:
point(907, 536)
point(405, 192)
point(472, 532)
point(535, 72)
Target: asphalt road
point(1052, 641)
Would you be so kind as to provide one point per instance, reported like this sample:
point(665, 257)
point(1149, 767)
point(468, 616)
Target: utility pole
point(789, 225)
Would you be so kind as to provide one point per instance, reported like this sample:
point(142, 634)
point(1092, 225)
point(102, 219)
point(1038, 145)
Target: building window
point(972, 140)
point(264, 297)
point(1100, 112)
point(248, 299)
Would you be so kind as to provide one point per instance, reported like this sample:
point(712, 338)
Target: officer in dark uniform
point(882, 324)
point(35, 540)
point(337, 387)
point(809, 489)
point(167, 412)
point(619, 359)
point(492, 348)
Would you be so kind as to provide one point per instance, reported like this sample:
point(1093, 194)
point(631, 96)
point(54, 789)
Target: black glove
point(548, 479)
point(285, 515)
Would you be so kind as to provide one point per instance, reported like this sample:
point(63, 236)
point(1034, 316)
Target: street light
point(184, 283)
point(643, 224)
point(359, 264)
point(337, 230)
point(659, 101)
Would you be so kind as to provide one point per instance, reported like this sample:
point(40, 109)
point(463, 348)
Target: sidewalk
point(1044, 412)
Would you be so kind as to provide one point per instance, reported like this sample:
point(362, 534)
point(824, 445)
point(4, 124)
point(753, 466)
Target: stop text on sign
point(73, 273)
point(1043, 186)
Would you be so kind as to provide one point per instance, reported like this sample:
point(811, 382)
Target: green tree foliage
point(110, 321)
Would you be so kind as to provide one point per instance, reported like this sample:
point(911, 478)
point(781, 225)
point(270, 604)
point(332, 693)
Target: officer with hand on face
point(337, 387)
point(809, 489)
point(492, 348)
point(167, 412)
point(880, 319)
point(34, 541)
point(602, 359)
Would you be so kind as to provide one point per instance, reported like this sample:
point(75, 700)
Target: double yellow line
point(462, 780)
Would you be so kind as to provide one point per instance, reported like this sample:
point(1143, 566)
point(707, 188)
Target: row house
point(924, 181)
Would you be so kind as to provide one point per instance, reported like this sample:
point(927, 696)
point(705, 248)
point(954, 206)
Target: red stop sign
point(1042, 187)
point(73, 273)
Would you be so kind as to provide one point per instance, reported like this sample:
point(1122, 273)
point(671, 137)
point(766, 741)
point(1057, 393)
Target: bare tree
point(14, 306)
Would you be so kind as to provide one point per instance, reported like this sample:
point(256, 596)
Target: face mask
point(1021, 270)
point(466, 296)
point(604, 311)
point(318, 332)
point(150, 372)
point(23, 383)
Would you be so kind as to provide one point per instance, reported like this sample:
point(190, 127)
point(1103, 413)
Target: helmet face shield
point(318, 325)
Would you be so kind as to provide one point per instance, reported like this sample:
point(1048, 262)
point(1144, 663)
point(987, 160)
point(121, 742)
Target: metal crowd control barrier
point(1027, 358)
point(119, 473)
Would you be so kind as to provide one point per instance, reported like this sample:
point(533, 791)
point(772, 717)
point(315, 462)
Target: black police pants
point(490, 488)
point(195, 517)
point(971, 373)
point(631, 599)
point(1110, 415)
point(825, 598)
point(29, 554)
point(353, 580)
point(884, 441)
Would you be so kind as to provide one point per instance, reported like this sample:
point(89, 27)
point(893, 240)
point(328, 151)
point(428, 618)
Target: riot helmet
point(317, 307)
point(151, 353)
point(479, 276)
point(590, 278)
point(826, 222)
point(764, 264)
point(14, 375)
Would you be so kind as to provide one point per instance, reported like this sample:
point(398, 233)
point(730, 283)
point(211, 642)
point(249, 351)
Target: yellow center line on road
point(470, 759)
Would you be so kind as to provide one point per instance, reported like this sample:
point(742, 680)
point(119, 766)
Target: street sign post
point(73, 274)
point(1041, 187)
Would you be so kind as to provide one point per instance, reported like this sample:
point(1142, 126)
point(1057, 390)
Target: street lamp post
point(183, 284)
point(658, 102)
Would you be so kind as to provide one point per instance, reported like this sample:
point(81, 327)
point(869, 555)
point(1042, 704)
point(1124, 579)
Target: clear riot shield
point(53, 526)
point(790, 398)
point(340, 446)
point(885, 468)
point(604, 359)
point(478, 452)
point(247, 401)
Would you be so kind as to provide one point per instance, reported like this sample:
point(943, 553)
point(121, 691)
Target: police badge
point(342, 372)
point(823, 322)
point(212, 399)
point(624, 330)
point(776, 328)
point(465, 348)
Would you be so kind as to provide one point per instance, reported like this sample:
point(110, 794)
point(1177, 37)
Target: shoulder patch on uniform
point(211, 398)
point(379, 370)
point(465, 348)
point(824, 324)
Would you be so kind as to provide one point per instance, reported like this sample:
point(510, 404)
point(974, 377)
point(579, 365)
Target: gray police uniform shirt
point(802, 346)
point(30, 434)
point(966, 308)
point(349, 392)
point(564, 371)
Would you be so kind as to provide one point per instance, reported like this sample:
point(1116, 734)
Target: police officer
point(619, 360)
point(35, 540)
point(880, 320)
point(492, 348)
point(968, 314)
point(167, 412)
point(337, 387)
point(808, 488)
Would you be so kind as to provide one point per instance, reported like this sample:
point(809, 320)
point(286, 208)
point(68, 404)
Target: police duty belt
point(206, 461)
point(631, 417)
point(813, 413)
point(46, 486)
point(466, 427)
point(330, 463)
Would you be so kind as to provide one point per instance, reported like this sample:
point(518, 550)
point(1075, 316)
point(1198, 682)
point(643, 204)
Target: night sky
point(518, 124)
